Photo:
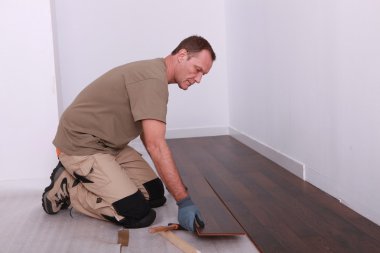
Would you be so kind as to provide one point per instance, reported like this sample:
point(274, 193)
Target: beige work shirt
point(107, 114)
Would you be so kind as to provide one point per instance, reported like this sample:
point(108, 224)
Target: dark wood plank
point(219, 221)
point(279, 212)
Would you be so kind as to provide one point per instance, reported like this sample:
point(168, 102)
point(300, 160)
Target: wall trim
point(196, 132)
point(290, 164)
point(322, 182)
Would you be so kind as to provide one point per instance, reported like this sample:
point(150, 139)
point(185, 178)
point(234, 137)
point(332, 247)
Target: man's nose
point(198, 78)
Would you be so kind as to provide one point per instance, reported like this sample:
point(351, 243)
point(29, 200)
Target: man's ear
point(182, 55)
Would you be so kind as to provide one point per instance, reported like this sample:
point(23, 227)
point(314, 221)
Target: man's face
point(191, 67)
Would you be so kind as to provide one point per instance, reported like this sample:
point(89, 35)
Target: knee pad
point(155, 189)
point(134, 206)
point(146, 221)
point(136, 211)
point(133, 223)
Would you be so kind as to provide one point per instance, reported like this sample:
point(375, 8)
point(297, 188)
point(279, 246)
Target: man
point(98, 173)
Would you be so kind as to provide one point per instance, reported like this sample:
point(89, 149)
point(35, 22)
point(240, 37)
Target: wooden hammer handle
point(163, 228)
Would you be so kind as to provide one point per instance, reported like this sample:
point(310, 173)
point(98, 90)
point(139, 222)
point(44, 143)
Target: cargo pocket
point(86, 172)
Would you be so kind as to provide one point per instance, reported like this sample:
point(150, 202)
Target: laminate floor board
point(323, 212)
point(221, 177)
point(219, 220)
point(279, 211)
point(271, 219)
point(296, 220)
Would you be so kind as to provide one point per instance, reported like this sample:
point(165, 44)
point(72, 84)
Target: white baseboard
point(320, 181)
point(290, 164)
point(196, 132)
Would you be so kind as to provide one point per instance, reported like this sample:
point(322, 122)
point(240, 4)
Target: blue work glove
point(189, 215)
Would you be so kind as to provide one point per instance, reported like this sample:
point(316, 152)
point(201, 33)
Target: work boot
point(56, 196)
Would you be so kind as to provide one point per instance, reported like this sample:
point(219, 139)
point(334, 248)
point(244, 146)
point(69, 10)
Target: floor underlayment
point(25, 227)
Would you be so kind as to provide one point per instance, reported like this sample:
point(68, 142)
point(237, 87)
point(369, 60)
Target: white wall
point(303, 78)
point(28, 104)
point(95, 36)
point(305, 81)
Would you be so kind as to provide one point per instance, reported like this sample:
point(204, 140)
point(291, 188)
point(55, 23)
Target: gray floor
point(26, 228)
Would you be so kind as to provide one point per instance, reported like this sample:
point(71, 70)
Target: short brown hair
point(195, 44)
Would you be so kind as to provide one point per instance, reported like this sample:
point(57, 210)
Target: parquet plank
point(279, 212)
point(219, 221)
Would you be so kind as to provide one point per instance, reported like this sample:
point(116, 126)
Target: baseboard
point(290, 164)
point(320, 181)
point(196, 132)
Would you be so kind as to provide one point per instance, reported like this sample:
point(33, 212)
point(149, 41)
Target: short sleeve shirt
point(107, 114)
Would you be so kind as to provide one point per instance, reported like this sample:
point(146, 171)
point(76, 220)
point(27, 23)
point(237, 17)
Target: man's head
point(193, 58)
point(195, 44)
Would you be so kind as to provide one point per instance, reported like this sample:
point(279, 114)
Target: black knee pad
point(155, 189)
point(133, 223)
point(146, 221)
point(136, 210)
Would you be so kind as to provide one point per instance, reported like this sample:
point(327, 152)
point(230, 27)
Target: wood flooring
point(279, 211)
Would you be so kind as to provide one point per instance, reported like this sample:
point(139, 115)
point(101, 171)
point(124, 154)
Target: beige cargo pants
point(120, 188)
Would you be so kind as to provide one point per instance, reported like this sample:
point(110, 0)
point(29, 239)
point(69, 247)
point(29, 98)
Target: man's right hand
point(189, 215)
